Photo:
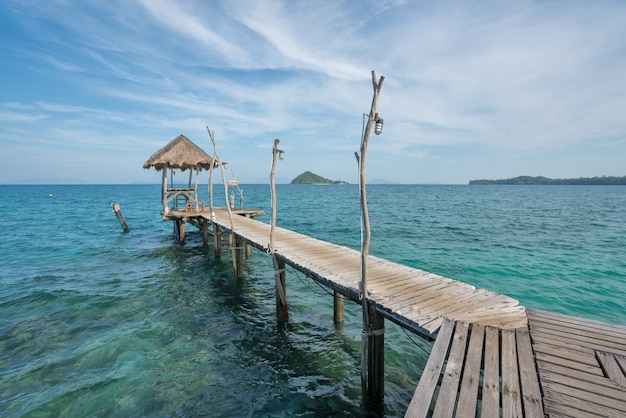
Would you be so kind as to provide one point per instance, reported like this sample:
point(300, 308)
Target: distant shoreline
point(540, 180)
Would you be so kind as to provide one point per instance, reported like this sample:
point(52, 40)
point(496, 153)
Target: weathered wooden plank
point(582, 338)
point(559, 405)
point(621, 360)
point(573, 365)
point(598, 380)
point(511, 396)
point(612, 368)
point(468, 393)
point(420, 403)
point(450, 383)
point(555, 350)
point(556, 395)
point(577, 322)
point(611, 398)
point(531, 392)
point(399, 294)
point(491, 375)
point(430, 301)
point(573, 349)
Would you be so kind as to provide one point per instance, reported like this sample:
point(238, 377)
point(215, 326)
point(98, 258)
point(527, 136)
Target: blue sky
point(473, 89)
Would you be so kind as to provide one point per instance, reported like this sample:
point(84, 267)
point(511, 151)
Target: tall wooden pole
point(282, 312)
point(368, 334)
point(236, 249)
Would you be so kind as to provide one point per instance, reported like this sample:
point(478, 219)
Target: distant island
point(540, 180)
point(310, 178)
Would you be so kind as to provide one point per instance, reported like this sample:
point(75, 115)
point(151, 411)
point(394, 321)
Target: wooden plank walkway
point(478, 371)
point(581, 364)
point(413, 298)
point(491, 357)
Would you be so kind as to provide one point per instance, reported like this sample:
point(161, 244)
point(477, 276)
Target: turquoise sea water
point(95, 322)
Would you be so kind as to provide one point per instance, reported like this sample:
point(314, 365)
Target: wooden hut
point(182, 154)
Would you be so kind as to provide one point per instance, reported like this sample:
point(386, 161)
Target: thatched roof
point(180, 153)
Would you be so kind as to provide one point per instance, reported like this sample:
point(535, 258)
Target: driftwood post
point(120, 217)
point(372, 337)
point(282, 311)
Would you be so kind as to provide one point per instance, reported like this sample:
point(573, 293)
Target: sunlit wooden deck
point(413, 298)
point(491, 357)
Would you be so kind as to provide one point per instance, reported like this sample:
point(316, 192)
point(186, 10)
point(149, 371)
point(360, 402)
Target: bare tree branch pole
point(219, 161)
point(366, 229)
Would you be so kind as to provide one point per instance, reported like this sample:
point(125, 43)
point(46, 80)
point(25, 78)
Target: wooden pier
point(491, 357)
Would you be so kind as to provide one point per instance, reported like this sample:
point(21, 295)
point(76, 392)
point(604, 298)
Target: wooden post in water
point(217, 240)
point(180, 228)
point(205, 230)
point(120, 217)
point(238, 255)
point(338, 308)
point(282, 311)
point(375, 360)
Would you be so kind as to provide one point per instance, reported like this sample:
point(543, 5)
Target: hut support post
point(179, 229)
point(205, 231)
point(282, 311)
point(164, 191)
point(338, 308)
point(375, 360)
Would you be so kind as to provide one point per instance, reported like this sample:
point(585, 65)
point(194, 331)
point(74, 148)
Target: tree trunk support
point(282, 311)
point(375, 360)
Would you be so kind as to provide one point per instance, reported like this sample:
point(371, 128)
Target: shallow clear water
point(95, 322)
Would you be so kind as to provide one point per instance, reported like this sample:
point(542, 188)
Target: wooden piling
point(180, 228)
point(238, 257)
point(375, 360)
point(217, 240)
point(282, 311)
point(120, 217)
point(205, 231)
point(338, 307)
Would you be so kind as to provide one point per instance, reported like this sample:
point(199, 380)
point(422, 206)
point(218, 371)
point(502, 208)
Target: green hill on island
point(540, 180)
point(310, 178)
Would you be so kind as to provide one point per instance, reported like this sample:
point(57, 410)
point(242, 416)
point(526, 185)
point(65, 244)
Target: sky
point(472, 89)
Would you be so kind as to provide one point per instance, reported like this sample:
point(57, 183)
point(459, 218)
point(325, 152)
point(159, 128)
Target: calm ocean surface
point(95, 322)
